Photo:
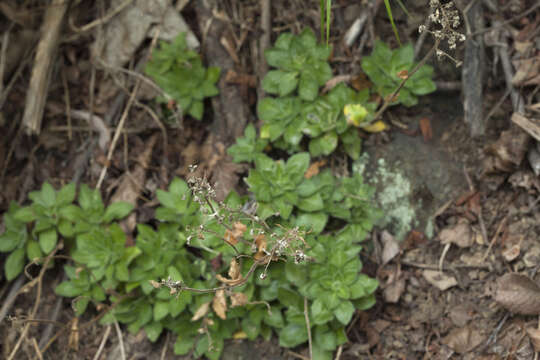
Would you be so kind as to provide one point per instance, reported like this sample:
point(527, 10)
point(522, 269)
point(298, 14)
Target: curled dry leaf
point(459, 234)
point(439, 279)
point(219, 304)
point(201, 311)
point(393, 291)
point(463, 340)
point(234, 270)
point(390, 247)
point(230, 238)
point(511, 253)
point(238, 299)
point(534, 335)
point(260, 243)
point(234, 274)
point(238, 229)
point(518, 294)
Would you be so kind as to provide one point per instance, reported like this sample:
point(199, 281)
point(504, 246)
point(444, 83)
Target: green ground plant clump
point(242, 268)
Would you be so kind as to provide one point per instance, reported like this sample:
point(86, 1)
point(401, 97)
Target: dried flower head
point(445, 16)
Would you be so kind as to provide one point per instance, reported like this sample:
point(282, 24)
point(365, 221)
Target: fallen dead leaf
point(532, 257)
point(392, 293)
point(528, 71)
point(439, 279)
point(426, 129)
point(463, 340)
point(461, 314)
point(390, 247)
point(414, 239)
point(518, 294)
point(201, 311)
point(219, 304)
point(509, 150)
point(511, 253)
point(459, 234)
point(534, 335)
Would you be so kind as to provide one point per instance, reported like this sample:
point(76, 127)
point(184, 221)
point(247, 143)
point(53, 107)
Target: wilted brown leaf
point(238, 299)
point(234, 270)
point(518, 294)
point(230, 238)
point(238, 229)
point(219, 304)
point(260, 242)
point(201, 311)
point(234, 274)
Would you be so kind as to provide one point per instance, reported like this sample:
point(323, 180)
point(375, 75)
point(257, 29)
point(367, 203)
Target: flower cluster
point(447, 16)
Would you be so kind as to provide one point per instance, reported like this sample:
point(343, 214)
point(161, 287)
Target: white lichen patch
point(393, 195)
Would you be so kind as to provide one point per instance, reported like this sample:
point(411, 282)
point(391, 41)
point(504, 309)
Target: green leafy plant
point(288, 119)
point(181, 74)
point(242, 268)
point(248, 146)
point(387, 68)
point(301, 63)
point(52, 215)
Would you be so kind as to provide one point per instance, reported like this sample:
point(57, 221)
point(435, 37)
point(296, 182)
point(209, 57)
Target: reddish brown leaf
point(425, 129)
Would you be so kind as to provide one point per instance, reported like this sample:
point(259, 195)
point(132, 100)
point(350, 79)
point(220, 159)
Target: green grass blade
point(400, 3)
point(322, 10)
point(328, 18)
point(389, 12)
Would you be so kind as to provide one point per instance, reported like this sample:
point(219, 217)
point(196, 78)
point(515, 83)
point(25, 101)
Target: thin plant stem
point(308, 326)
